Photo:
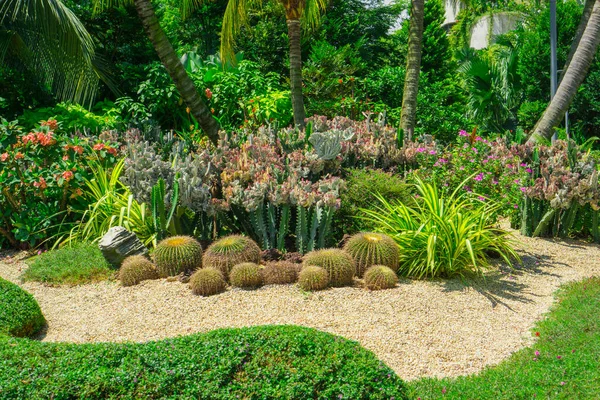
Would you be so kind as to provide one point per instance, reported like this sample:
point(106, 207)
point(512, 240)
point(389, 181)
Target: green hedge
point(20, 314)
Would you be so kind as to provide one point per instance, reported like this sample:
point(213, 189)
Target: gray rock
point(118, 243)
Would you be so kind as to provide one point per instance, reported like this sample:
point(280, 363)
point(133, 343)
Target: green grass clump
point(20, 314)
point(246, 275)
point(566, 365)
point(313, 278)
point(69, 265)
point(207, 282)
point(339, 265)
point(229, 251)
point(280, 273)
point(369, 249)
point(177, 254)
point(136, 269)
point(380, 277)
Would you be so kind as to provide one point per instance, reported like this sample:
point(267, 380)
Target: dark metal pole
point(553, 60)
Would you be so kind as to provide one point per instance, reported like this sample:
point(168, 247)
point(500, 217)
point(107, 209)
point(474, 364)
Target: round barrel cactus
point(246, 275)
point(380, 277)
point(177, 254)
point(229, 251)
point(280, 273)
point(339, 265)
point(369, 249)
point(207, 282)
point(136, 269)
point(313, 278)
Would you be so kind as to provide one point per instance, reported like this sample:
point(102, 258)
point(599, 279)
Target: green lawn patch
point(79, 264)
point(564, 363)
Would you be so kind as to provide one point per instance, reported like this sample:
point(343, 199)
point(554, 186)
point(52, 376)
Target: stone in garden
point(118, 243)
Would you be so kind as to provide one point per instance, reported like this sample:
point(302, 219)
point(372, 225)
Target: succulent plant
point(280, 273)
point(177, 254)
point(313, 278)
point(136, 269)
point(369, 249)
point(229, 251)
point(339, 265)
point(207, 281)
point(380, 277)
point(246, 275)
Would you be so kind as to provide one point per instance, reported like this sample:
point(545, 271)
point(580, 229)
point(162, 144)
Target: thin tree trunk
point(413, 69)
point(296, 71)
point(585, 16)
point(183, 83)
point(573, 78)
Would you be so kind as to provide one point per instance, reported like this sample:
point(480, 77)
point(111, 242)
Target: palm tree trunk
point(585, 16)
point(574, 76)
point(413, 68)
point(296, 71)
point(183, 83)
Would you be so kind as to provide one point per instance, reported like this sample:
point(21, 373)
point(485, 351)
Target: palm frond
point(312, 13)
point(235, 18)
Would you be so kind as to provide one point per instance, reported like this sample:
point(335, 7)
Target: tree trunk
point(296, 71)
point(170, 60)
point(413, 68)
point(585, 16)
point(574, 76)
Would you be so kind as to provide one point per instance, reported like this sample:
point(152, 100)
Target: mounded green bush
point(229, 251)
point(246, 275)
point(380, 277)
point(207, 282)
point(313, 278)
point(369, 249)
point(177, 254)
point(280, 273)
point(339, 265)
point(20, 314)
point(136, 269)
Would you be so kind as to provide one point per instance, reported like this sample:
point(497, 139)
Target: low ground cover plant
point(20, 314)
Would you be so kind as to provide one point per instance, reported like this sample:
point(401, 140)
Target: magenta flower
point(479, 177)
point(432, 152)
point(562, 384)
point(463, 133)
point(443, 390)
point(529, 170)
point(559, 357)
point(523, 189)
point(481, 198)
point(421, 149)
point(537, 353)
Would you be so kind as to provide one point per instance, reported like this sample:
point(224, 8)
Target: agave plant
point(443, 235)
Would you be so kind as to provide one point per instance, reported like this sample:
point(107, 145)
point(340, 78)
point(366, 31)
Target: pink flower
point(463, 133)
point(67, 175)
point(4, 157)
point(516, 206)
point(537, 353)
point(481, 198)
point(562, 384)
point(99, 146)
point(432, 152)
point(421, 149)
point(523, 189)
point(479, 177)
point(443, 390)
point(528, 170)
point(558, 357)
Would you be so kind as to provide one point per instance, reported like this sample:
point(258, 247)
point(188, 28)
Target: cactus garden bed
point(419, 328)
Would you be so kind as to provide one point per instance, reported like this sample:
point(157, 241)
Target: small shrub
point(380, 277)
point(207, 282)
point(74, 265)
point(369, 249)
point(20, 314)
point(246, 275)
point(177, 254)
point(229, 251)
point(280, 273)
point(136, 269)
point(313, 278)
point(339, 265)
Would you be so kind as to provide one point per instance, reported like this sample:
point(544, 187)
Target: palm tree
point(573, 77)
point(167, 55)
point(46, 38)
point(307, 11)
point(413, 68)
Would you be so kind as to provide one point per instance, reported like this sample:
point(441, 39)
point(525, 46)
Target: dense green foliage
point(77, 264)
point(20, 314)
point(562, 364)
point(272, 362)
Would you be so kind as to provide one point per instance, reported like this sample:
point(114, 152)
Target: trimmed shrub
point(380, 277)
point(136, 269)
point(177, 254)
point(339, 265)
point(207, 282)
point(313, 278)
point(369, 249)
point(246, 275)
point(20, 314)
point(280, 273)
point(229, 251)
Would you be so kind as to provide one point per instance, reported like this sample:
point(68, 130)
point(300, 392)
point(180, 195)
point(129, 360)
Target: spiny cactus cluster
point(246, 275)
point(380, 277)
point(177, 254)
point(280, 273)
point(369, 249)
point(339, 265)
point(207, 282)
point(229, 251)
point(136, 269)
point(313, 278)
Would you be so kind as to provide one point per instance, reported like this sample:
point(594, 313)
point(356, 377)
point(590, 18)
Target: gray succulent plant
point(328, 144)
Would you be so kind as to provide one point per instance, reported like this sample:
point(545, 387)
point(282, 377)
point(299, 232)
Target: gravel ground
point(421, 328)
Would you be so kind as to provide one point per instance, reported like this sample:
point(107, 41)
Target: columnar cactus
point(339, 265)
point(369, 249)
point(177, 254)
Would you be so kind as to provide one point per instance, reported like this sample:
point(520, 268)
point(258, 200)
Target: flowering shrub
point(41, 177)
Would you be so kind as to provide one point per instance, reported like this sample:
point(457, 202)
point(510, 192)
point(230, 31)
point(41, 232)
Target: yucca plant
point(443, 235)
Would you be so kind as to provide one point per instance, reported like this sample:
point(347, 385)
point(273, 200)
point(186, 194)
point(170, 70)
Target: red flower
point(41, 184)
point(51, 123)
point(99, 146)
point(340, 81)
point(208, 93)
point(4, 157)
point(19, 155)
point(537, 334)
point(111, 150)
point(67, 175)
point(78, 149)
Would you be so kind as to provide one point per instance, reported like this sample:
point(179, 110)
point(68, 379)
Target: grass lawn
point(82, 263)
point(564, 363)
